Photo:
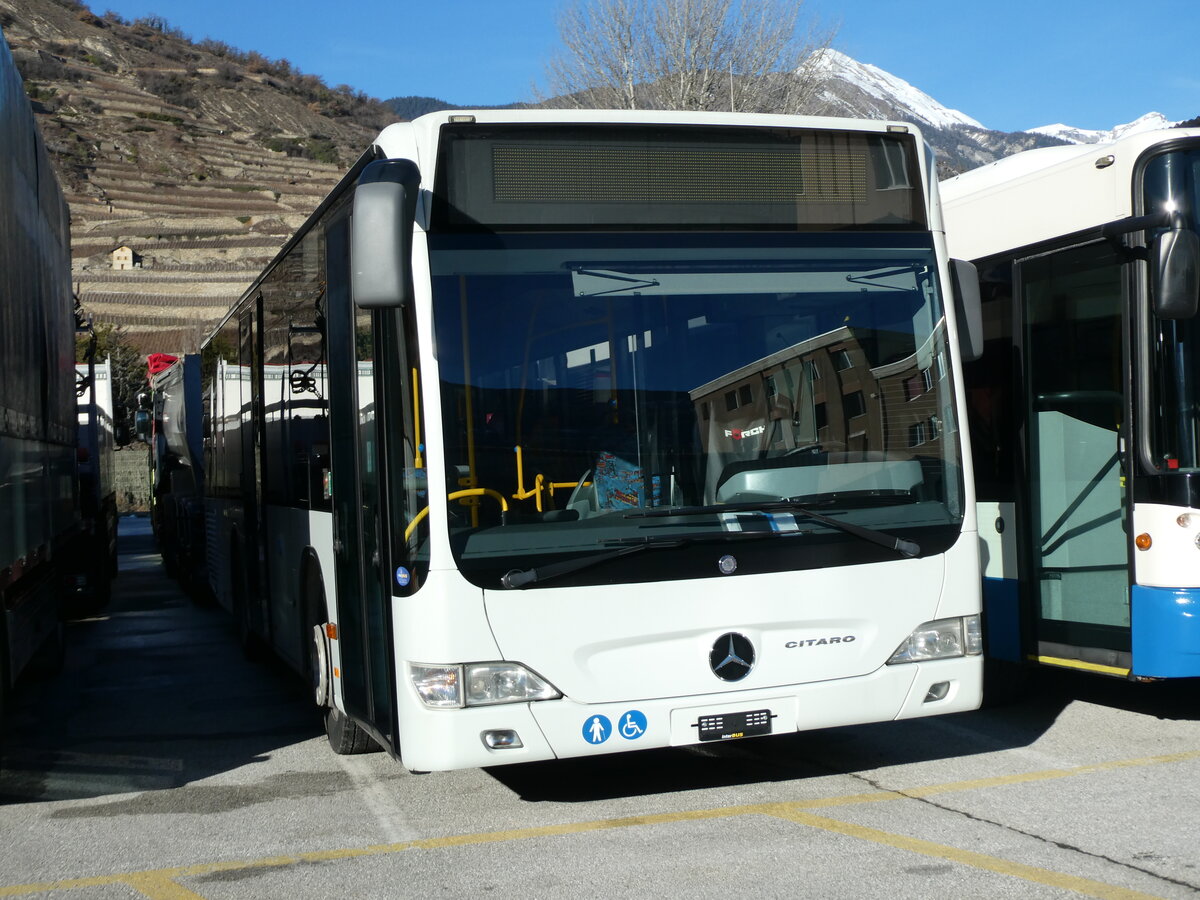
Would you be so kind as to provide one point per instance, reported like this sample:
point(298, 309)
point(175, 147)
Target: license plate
point(731, 726)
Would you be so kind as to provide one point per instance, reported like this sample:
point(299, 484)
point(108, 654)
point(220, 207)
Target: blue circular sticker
point(596, 729)
point(403, 576)
point(633, 725)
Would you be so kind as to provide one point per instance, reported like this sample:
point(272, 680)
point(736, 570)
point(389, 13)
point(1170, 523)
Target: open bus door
point(1075, 365)
point(359, 502)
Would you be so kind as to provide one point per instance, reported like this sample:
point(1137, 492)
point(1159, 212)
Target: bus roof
point(1042, 194)
point(395, 140)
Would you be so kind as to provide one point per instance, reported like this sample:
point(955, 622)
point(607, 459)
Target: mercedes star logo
point(732, 656)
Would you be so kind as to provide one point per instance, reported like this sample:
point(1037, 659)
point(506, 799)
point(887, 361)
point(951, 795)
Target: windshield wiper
point(902, 546)
point(518, 578)
point(626, 282)
point(626, 546)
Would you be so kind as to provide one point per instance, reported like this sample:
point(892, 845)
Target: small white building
point(125, 257)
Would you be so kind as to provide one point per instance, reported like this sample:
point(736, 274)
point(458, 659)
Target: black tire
point(312, 602)
point(5, 681)
point(345, 736)
point(100, 579)
point(251, 644)
point(51, 657)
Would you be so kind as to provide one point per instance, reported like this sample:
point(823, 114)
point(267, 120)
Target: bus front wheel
point(345, 735)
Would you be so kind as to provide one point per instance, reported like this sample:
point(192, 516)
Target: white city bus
point(565, 433)
point(1083, 405)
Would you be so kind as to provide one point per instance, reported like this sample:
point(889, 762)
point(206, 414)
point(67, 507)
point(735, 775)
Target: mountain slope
point(865, 91)
point(961, 142)
point(1149, 122)
point(200, 157)
point(203, 158)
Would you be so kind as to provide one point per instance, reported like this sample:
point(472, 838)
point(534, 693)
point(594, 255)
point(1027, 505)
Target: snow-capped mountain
point(863, 90)
point(1149, 122)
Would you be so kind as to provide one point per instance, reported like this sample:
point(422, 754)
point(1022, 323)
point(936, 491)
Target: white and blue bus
point(1084, 403)
point(565, 433)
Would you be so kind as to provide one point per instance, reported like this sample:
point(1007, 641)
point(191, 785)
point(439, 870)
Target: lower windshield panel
point(599, 393)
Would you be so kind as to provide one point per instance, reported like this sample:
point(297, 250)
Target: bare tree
point(739, 55)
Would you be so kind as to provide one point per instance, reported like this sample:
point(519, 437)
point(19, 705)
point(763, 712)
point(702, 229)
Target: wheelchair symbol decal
point(633, 725)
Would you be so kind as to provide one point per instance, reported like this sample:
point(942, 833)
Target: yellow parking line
point(976, 784)
point(162, 884)
point(159, 886)
point(1085, 886)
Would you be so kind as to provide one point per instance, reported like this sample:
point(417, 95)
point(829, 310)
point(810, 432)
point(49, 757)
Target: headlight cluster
point(941, 639)
point(478, 684)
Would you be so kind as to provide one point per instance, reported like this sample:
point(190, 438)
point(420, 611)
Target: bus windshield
point(589, 378)
point(1172, 184)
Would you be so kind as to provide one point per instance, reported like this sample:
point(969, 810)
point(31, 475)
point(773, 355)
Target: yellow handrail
point(559, 485)
point(418, 462)
point(539, 481)
point(456, 495)
point(469, 403)
point(480, 492)
point(415, 522)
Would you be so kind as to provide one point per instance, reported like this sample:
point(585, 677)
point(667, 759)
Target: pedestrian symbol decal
point(596, 729)
point(633, 725)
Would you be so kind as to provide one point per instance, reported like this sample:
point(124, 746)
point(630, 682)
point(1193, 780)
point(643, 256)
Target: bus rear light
point(1143, 541)
point(331, 630)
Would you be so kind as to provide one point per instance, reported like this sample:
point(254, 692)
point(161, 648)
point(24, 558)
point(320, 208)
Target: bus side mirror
point(1176, 254)
point(968, 308)
point(381, 232)
point(141, 425)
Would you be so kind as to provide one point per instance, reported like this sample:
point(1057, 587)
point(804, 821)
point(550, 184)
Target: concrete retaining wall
point(131, 470)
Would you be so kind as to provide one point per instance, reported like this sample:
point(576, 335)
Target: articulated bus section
point(1083, 414)
point(553, 434)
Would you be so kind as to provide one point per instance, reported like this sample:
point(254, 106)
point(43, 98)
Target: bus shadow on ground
point(845, 751)
point(155, 694)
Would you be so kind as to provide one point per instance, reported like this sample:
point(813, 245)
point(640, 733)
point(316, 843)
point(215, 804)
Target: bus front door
point(363, 600)
point(1075, 361)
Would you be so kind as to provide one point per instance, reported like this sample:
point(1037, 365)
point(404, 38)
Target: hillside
point(202, 159)
point(961, 143)
point(199, 157)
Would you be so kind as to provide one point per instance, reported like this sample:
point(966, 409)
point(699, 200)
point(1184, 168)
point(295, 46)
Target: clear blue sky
point(1012, 65)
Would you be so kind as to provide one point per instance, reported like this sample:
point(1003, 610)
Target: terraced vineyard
point(200, 242)
point(203, 160)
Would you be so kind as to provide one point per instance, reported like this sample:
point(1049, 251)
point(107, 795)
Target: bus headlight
point(941, 639)
point(478, 684)
point(488, 683)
